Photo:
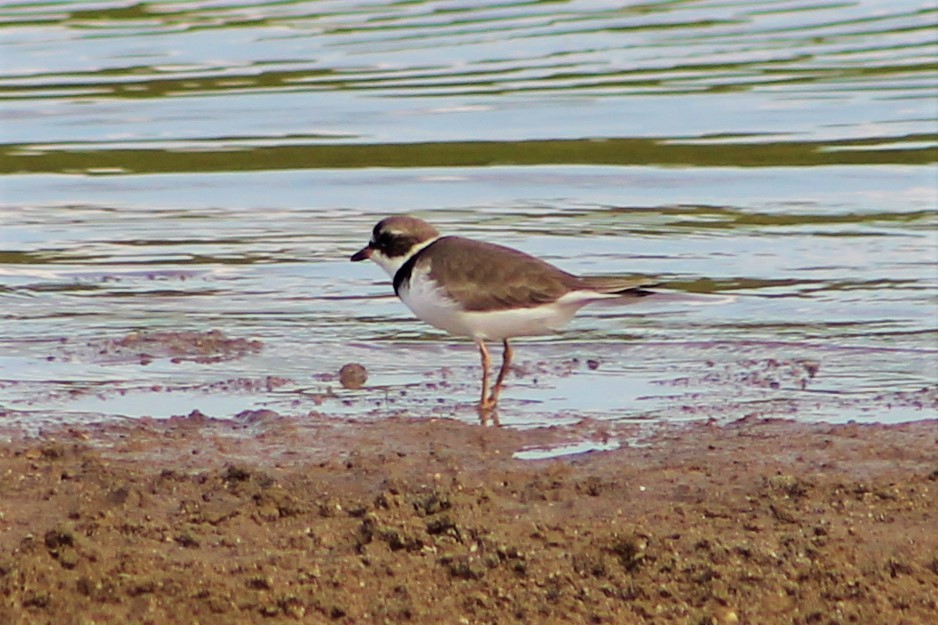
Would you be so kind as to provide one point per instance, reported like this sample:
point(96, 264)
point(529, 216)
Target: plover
point(484, 291)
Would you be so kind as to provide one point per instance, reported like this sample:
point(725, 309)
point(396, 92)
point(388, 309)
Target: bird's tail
point(615, 285)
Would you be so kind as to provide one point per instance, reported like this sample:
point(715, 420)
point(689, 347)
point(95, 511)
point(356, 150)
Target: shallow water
point(189, 167)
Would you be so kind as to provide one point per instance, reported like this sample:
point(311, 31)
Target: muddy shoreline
point(270, 519)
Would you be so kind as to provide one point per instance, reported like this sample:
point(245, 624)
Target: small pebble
point(353, 375)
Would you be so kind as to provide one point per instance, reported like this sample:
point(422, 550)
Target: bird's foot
point(488, 409)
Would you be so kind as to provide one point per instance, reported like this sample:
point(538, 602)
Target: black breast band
point(402, 275)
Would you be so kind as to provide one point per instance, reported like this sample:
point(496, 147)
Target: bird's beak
point(362, 254)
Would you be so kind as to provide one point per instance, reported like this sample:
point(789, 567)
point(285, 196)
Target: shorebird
point(484, 291)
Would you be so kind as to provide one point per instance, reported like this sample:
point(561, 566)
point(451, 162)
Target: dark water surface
point(171, 169)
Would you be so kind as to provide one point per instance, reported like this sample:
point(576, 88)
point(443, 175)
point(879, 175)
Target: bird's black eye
point(393, 245)
point(382, 241)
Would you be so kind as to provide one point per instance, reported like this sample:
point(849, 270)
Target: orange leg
point(486, 363)
point(502, 373)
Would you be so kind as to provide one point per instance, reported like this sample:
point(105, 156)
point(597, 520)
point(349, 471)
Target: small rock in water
point(353, 375)
point(592, 364)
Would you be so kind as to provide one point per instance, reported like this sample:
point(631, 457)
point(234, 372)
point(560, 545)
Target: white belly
point(430, 304)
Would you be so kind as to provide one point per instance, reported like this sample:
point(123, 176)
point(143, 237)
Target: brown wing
point(485, 276)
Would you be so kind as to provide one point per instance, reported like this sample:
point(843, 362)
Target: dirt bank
point(280, 520)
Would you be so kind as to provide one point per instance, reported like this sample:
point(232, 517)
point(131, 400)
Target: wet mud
point(274, 519)
point(177, 346)
point(192, 371)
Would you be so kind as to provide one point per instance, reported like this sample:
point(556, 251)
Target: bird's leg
point(486, 363)
point(502, 373)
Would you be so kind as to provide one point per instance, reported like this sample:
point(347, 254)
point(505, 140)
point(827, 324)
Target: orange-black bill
point(362, 254)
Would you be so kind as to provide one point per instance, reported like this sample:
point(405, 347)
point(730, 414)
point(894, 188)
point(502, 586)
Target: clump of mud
point(177, 346)
point(764, 373)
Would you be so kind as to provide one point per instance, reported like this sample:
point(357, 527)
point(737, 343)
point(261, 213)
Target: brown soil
point(277, 520)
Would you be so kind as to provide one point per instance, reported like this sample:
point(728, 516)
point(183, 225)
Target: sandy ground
point(272, 519)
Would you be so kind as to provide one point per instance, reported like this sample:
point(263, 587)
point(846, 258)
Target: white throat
point(392, 264)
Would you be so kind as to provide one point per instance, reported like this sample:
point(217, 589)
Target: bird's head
point(394, 240)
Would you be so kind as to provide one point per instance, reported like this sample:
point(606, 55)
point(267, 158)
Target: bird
point(484, 291)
